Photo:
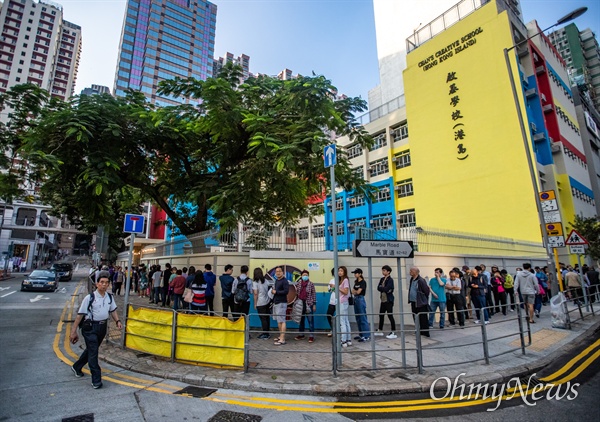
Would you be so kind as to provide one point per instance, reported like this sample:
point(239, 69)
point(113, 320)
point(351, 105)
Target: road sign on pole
point(577, 249)
point(575, 238)
point(330, 155)
point(134, 223)
point(383, 248)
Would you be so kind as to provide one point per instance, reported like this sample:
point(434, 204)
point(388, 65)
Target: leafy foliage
point(589, 228)
point(247, 153)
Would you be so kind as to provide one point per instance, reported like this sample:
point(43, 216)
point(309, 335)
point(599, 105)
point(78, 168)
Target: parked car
point(64, 270)
point(41, 280)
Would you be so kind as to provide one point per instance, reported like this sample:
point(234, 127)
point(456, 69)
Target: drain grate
point(198, 392)
point(228, 416)
point(80, 418)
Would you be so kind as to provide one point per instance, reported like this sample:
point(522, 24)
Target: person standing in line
point(526, 282)
point(487, 276)
point(143, 287)
point(594, 279)
point(466, 280)
point(308, 295)
point(226, 296)
point(119, 277)
point(509, 288)
point(499, 292)
point(242, 306)
point(157, 280)
point(332, 303)
point(437, 286)
point(211, 280)
point(177, 284)
point(344, 284)
point(261, 288)
point(94, 327)
point(478, 286)
point(454, 299)
point(360, 306)
point(386, 292)
point(418, 297)
point(198, 286)
point(190, 277)
point(165, 284)
point(280, 291)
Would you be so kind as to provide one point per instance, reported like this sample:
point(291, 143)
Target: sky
point(334, 38)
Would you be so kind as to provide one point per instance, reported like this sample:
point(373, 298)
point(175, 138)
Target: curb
point(237, 380)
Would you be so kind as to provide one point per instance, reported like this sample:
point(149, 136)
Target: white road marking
point(8, 294)
point(39, 297)
point(4, 288)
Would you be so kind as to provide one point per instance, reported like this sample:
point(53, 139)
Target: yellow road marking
point(330, 407)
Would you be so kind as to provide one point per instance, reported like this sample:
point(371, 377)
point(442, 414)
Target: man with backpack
point(240, 289)
point(93, 317)
point(226, 290)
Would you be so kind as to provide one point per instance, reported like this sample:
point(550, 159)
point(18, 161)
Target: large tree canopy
point(249, 152)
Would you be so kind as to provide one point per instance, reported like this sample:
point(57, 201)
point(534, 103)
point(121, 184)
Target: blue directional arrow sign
point(330, 155)
point(134, 223)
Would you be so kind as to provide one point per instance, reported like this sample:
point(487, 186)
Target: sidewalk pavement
point(309, 364)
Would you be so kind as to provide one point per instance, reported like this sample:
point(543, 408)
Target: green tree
point(249, 152)
point(589, 228)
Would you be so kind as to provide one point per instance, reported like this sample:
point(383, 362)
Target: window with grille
point(404, 188)
point(402, 159)
point(378, 167)
point(356, 201)
point(379, 141)
point(354, 150)
point(407, 218)
point(340, 229)
point(302, 233)
point(356, 222)
point(359, 171)
point(399, 132)
point(339, 204)
point(318, 230)
point(381, 222)
point(383, 194)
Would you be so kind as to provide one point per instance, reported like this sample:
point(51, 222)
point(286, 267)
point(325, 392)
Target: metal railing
point(582, 303)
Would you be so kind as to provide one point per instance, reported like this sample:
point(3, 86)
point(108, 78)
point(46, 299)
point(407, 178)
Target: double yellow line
point(565, 374)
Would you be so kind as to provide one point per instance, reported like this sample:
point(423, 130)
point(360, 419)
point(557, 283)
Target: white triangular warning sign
point(576, 239)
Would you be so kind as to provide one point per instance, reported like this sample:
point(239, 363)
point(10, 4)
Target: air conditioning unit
point(555, 147)
point(530, 92)
point(550, 140)
point(533, 127)
point(535, 57)
point(547, 108)
point(543, 97)
point(539, 136)
point(540, 69)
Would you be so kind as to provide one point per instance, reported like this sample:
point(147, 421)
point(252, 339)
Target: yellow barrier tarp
point(212, 340)
point(199, 338)
point(150, 331)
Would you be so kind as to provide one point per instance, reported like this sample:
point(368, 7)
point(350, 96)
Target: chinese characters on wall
point(458, 127)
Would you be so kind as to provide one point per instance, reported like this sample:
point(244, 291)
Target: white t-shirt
point(332, 297)
point(101, 306)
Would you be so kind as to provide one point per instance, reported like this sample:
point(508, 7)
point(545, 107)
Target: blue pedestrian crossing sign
point(330, 156)
point(134, 223)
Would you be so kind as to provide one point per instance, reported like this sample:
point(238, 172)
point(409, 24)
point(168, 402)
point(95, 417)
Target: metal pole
point(418, 343)
point(486, 353)
point(372, 307)
point(338, 340)
point(530, 163)
point(127, 287)
point(173, 335)
point(521, 333)
point(401, 310)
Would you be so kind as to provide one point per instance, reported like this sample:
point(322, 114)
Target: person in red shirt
point(178, 286)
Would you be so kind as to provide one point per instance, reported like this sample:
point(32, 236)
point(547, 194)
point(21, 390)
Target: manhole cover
point(227, 416)
point(196, 391)
point(81, 418)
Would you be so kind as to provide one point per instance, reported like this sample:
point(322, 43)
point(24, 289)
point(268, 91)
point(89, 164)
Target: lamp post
point(532, 166)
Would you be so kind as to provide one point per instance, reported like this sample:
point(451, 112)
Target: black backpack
point(241, 292)
point(89, 308)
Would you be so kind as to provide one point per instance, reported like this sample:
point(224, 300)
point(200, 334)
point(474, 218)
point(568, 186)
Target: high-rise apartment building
point(243, 61)
point(96, 89)
point(581, 53)
point(162, 40)
point(38, 46)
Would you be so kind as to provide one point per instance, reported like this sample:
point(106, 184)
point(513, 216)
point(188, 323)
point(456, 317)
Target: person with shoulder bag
point(386, 291)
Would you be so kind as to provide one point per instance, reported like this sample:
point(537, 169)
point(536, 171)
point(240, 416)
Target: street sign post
point(575, 238)
point(133, 224)
point(577, 249)
point(383, 249)
point(330, 155)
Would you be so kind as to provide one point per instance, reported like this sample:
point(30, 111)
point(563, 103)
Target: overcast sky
point(335, 38)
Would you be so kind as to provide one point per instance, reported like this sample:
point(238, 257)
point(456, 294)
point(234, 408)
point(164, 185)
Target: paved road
point(37, 385)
